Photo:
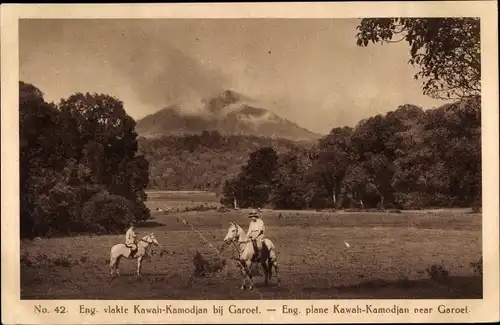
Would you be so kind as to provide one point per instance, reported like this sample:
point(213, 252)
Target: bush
point(354, 210)
point(477, 267)
point(54, 260)
point(223, 209)
point(412, 200)
point(476, 210)
point(106, 213)
point(203, 267)
point(200, 207)
point(26, 260)
point(61, 261)
point(438, 273)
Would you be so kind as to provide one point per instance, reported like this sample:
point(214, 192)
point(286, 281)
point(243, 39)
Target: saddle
point(132, 250)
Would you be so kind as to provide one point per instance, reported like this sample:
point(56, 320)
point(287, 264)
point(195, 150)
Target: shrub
point(200, 207)
point(477, 267)
point(26, 260)
point(438, 273)
point(61, 261)
point(203, 267)
point(223, 209)
point(412, 200)
point(106, 213)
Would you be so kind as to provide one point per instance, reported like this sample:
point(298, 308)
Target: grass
point(390, 256)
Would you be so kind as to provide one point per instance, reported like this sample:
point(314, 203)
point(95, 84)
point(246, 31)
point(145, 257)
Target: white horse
point(268, 256)
point(121, 250)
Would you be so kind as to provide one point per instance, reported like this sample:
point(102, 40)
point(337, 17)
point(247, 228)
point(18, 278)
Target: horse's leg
point(270, 267)
point(112, 262)
point(139, 264)
point(275, 264)
point(243, 273)
point(247, 266)
point(117, 265)
point(263, 261)
point(266, 271)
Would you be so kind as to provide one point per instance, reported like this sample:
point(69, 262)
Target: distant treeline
point(79, 168)
point(408, 158)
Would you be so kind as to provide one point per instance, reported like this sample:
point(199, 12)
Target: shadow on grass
point(458, 287)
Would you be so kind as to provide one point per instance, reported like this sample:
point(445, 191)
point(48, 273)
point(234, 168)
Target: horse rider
point(131, 239)
point(256, 231)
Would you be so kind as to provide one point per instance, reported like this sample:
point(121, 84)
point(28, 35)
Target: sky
point(309, 71)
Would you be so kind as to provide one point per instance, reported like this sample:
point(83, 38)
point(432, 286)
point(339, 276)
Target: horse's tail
point(112, 261)
point(272, 260)
point(271, 249)
point(113, 257)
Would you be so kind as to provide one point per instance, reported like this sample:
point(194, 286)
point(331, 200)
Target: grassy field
point(388, 256)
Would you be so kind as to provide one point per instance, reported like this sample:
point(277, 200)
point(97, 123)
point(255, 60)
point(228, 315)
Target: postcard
point(250, 163)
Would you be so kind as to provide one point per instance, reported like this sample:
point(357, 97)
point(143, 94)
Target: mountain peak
point(232, 96)
point(229, 113)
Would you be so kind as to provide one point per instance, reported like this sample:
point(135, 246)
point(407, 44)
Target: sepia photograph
point(325, 158)
point(247, 159)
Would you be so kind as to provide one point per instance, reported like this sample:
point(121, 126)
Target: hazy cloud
point(309, 71)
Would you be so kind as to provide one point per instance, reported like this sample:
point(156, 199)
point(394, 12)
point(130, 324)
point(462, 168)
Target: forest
point(406, 159)
point(83, 168)
point(79, 167)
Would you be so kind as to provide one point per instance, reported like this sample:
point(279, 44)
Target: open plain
point(389, 256)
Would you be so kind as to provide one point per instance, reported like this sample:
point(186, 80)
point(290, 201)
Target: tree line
point(79, 167)
point(406, 159)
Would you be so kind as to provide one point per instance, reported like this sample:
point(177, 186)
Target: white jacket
point(130, 237)
point(255, 228)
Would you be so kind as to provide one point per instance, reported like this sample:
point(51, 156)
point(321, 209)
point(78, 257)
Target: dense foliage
point(408, 158)
point(202, 161)
point(83, 169)
point(447, 51)
point(79, 168)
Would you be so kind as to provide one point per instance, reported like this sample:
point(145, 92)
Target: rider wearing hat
point(256, 231)
point(130, 239)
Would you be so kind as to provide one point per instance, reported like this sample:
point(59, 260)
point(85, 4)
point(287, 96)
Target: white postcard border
point(15, 311)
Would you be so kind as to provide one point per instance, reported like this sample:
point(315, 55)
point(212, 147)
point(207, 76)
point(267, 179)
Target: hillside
point(229, 113)
point(201, 161)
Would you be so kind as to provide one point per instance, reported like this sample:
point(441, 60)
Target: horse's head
point(151, 239)
point(232, 233)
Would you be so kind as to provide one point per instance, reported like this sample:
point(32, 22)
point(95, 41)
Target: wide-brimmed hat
point(253, 213)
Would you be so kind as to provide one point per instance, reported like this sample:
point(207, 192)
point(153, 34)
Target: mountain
point(229, 113)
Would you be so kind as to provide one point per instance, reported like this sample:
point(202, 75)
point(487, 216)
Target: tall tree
point(253, 185)
point(333, 157)
point(447, 51)
point(291, 186)
point(104, 138)
point(70, 153)
point(40, 151)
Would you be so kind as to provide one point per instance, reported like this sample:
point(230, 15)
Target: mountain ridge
point(229, 113)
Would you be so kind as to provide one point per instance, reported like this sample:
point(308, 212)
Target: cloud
point(162, 75)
